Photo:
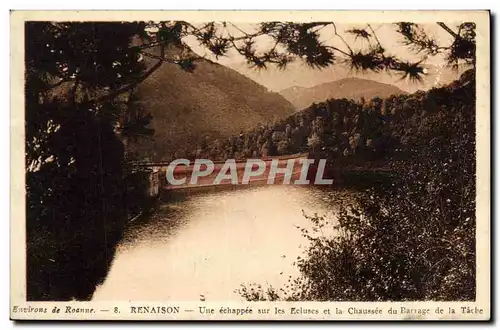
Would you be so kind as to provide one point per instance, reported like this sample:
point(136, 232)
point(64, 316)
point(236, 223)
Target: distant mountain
point(349, 88)
point(211, 102)
point(299, 74)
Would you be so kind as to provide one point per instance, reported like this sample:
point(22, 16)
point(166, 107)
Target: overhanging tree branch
point(128, 87)
point(447, 29)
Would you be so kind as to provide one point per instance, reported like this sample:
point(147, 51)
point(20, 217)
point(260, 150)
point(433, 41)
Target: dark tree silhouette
point(75, 180)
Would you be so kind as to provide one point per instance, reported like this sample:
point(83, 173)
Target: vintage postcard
point(250, 165)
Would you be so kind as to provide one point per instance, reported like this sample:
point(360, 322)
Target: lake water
point(205, 245)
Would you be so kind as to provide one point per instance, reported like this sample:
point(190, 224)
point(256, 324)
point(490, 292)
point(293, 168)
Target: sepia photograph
point(201, 168)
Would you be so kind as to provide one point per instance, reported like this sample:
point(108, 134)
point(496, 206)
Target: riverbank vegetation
point(411, 239)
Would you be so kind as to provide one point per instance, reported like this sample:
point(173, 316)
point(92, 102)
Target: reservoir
point(204, 245)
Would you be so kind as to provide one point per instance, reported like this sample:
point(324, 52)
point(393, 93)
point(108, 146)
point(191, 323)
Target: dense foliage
point(76, 192)
point(413, 239)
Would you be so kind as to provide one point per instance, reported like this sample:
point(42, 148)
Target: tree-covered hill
point(211, 101)
point(364, 130)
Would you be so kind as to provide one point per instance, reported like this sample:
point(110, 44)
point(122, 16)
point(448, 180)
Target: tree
point(314, 142)
point(75, 182)
point(283, 147)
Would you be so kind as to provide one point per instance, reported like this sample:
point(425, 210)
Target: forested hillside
point(345, 128)
point(211, 101)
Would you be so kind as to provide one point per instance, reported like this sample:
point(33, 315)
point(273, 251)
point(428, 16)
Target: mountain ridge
point(297, 73)
point(350, 88)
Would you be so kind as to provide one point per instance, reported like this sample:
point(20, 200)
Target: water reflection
point(207, 244)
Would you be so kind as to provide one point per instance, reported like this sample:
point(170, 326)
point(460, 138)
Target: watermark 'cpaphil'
point(275, 171)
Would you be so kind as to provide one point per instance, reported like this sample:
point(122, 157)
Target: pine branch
point(375, 36)
point(338, 35)
point(128, 87)
point(447, 29)
point(339, 50)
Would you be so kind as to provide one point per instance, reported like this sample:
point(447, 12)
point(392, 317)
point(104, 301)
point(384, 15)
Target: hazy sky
point(386, 33)
point(301, 75)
